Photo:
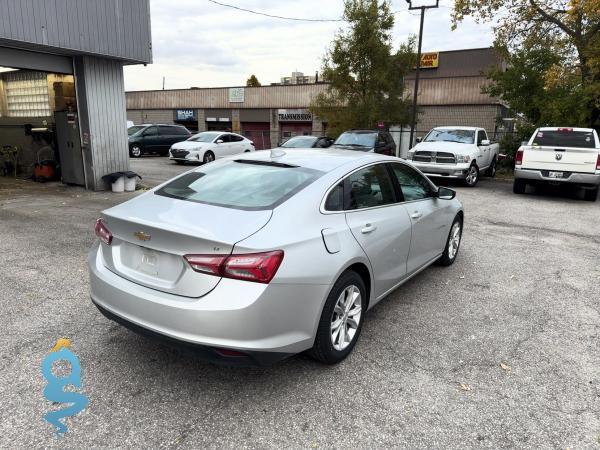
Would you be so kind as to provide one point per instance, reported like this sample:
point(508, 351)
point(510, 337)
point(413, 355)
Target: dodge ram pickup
point(560, 156)
point(456, 152)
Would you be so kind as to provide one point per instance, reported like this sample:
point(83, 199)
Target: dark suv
point(378, 141)
point(155, 138)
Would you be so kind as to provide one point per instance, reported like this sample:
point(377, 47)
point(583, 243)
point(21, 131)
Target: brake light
point(598, 162)
point(256, 267)
point(103, 232)
point(519, 157)
point(565, 130)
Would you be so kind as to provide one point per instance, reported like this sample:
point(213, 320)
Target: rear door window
point(242, 184)
point(166, 131)
point(564, 138)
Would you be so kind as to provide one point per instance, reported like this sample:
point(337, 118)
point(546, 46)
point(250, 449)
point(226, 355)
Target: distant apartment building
point(299, 78)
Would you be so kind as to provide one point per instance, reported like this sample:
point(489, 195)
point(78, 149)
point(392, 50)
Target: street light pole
point(413, 123)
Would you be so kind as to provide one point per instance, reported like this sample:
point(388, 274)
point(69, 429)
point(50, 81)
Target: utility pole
point(413, 123)
point(164, 81)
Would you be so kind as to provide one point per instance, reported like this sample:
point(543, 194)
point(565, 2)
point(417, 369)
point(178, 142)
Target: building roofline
point(230, 87)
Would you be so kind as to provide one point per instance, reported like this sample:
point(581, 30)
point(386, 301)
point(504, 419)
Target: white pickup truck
point(456, 152)
point(560, 155)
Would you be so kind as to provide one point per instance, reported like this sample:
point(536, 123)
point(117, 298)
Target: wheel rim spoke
point(346, 317)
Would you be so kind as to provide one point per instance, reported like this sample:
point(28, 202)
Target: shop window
point(26, 94)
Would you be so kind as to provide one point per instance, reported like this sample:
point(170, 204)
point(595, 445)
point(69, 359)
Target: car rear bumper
point(443, 170)
point(592, 179)
point(252, 318)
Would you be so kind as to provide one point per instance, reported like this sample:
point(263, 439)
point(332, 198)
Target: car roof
point(161, 125)
point(589, 130)
point(324, 160)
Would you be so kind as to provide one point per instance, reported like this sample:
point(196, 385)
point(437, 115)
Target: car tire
point(472, 176)
point(452, 243)
point(591, 195)
point(331, 347)
point(246, 151)
point(208, 157)
point(519, 186)
point(491, 171)
point(136, 151)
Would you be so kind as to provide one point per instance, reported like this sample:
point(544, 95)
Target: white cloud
point(198, 43)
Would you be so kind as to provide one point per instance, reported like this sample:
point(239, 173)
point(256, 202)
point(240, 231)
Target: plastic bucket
point(119, 185)
point(130, 184)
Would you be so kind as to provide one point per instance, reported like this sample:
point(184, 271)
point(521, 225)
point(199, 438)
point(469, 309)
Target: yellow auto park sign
point(430, 60)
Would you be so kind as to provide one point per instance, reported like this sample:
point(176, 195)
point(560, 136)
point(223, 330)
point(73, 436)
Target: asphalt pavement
point(499, 350)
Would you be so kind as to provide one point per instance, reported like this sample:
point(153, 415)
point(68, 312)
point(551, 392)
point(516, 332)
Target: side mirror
point(485, 142)
point(219, 141)
point(445, 193)
point(418, 140)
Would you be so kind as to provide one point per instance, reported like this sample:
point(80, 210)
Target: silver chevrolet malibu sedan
point(256, 257)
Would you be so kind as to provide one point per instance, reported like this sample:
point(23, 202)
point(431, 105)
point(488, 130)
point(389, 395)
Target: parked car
point(377, 141)
point(456, 152)
point(208, 146)
point(560, 156)
point(254, 257)
point(308, 142)
point(155, 138)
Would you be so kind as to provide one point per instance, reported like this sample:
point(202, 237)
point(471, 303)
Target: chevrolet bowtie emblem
point(142, 236)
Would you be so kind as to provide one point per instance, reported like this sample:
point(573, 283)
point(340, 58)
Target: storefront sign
point(236, 95)
point(185, 115)
point(294, 115)
point(430, 60)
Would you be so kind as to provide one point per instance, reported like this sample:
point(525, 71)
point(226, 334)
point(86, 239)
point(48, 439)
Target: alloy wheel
point(472, 176)
point(209, 157)
point(454, 241)
point(136, 151)
point(346, 318)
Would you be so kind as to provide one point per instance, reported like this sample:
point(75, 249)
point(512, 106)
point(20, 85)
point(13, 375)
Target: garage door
point(259, 133)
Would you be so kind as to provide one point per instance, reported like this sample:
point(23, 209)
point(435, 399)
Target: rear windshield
point(564, 138)
point(245, 184)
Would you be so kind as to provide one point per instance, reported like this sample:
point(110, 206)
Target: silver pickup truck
point(559, 156)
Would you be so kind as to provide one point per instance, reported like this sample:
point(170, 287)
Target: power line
point(297, 19)
point(273, 15)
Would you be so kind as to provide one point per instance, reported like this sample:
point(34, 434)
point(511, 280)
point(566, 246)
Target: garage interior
point(39, 127)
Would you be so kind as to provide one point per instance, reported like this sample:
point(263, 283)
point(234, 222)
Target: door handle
point(416, 215)
point(369, 228)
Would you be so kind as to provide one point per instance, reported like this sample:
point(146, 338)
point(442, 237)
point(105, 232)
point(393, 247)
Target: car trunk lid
point(152, 233)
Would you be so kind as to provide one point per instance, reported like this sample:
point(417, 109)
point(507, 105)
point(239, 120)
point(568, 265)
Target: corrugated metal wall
point(100, 82)
point(295, 96)
point(115, 28)
point(451, 91)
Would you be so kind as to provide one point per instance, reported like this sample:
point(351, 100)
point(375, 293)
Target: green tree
point(253, 81)
point(562, 39)
point(366, 77)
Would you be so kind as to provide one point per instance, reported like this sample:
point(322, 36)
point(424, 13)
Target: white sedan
point(208, 146)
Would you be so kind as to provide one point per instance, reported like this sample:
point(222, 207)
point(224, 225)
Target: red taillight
point(103, 232)
point(598, 162)
point(256, 267)
point(519, 157)
point(565, 130)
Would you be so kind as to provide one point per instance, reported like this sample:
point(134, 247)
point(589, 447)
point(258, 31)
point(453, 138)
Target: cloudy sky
point(199, 43)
